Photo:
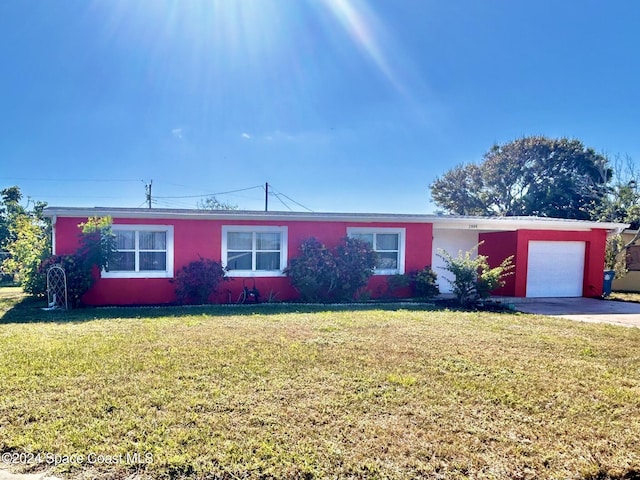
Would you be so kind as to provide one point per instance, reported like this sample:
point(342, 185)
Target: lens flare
point(361, 25)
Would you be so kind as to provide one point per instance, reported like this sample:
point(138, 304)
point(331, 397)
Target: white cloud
point(246, 135)
point(178, 133)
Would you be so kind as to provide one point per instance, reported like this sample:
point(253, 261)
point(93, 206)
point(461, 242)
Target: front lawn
point(625, 297)
point(277, 393)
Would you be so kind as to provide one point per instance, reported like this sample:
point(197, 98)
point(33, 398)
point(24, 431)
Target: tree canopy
point(24, 235)
point(212, 203)
point(10, 208)
point(622, 200)
point(536, 176)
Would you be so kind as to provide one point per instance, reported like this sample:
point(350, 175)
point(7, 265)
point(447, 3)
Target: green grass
point(318, 393)
point(625, 296)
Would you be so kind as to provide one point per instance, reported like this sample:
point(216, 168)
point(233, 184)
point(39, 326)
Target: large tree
point(621, 204)
point(24, 235)
point(10, 208)
point(537, 176)
point(622, 200)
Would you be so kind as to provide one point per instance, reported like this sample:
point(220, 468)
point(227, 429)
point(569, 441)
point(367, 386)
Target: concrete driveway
point(583, 309)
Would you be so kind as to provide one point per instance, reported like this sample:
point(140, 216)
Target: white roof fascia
point(439, 221)
point(158, 213)
point(520, 223)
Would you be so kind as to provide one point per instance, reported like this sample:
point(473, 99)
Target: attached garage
point(552, 257)
point(555, 269)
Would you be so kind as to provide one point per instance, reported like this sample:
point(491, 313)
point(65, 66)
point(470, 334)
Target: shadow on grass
point(603, 475)
point(31, 310)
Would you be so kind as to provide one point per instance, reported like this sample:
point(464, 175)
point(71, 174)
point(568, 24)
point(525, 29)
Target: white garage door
point(555, 269)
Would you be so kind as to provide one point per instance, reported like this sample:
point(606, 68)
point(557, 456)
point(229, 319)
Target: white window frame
point(167, 273)
point(401, 232)
point(283, 231)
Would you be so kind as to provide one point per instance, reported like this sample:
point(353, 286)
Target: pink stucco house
point(552, 257)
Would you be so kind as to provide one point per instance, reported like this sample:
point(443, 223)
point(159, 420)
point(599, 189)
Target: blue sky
point(341, 105)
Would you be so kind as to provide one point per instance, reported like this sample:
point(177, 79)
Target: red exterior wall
point(499, 245)
point(202, 238)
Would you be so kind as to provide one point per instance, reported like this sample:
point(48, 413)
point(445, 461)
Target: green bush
point(474, 280)
point(397, 282)
point(355, 262)
point(313, 272)
point(97, 242)
point(78, 273)
point(320, 274)
point(97, 245)
point(196, 281)
point(425, 283)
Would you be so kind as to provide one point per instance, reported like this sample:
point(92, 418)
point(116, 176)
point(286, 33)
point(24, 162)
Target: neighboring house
point(552, 257)
point(631, 281)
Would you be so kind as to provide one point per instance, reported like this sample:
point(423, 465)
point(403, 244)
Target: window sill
point(152, 274)
point(257, 274)
point(380, 273)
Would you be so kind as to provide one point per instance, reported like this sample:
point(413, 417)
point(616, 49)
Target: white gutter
point(438, 221)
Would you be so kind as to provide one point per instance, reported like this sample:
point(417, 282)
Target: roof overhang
point(439, 221)
point(520, 223)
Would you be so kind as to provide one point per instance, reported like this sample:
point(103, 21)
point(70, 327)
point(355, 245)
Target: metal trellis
point(56, 287)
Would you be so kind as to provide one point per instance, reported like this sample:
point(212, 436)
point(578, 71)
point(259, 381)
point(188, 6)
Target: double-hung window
point(388, 243)
point(143, 251)
point(253, 251)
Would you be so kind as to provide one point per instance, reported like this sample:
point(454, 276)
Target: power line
point(58, 180)
point(34, 195)
point(275, 194)
point(288, 198)
point(213, 194)
point(297, 203)
point(170, 204)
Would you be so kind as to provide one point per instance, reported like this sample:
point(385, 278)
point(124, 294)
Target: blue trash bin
point(608, 282)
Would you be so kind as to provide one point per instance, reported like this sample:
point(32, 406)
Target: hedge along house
point(552, 257)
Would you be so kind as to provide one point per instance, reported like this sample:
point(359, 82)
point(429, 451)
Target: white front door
point(451, 241)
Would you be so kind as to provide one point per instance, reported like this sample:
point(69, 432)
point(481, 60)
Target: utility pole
point(266, 197)
point(148, 192)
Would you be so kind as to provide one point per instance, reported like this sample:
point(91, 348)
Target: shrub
point(97, 245)
point(313, 272)
point(355, 262)
point(474, 280)
point(398, 282)
point(196, 281)
point(77, 271)
point(97, 242)
point(425, 283)
point(323, 275)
